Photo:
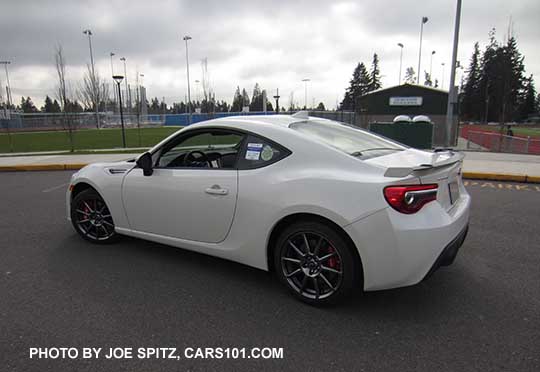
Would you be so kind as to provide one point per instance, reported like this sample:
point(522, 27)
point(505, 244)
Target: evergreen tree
point(237, 101)
point(48, 105)
point(27, 106)
point(375, 74)
point(245, 98)
point(257, 99)
point(410, 76)
point(529, 104)
point(321, 107)
point(358, 86)
point(471, 103)
point(56, 107)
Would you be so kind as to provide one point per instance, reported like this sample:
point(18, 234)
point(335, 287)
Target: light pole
point(118, 80)
point(127, 96)
point(400, 61)
point(305, 92)
point(8, 103)
point(452, 94)
point(112, 72)
point(8, 86)
point(186, 38)
point(276, 97)
point(88, 32)
point(442, 78)
point(424, 20)
point(431, 65)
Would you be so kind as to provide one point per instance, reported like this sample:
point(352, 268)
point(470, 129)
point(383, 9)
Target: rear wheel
point(91, 217)
point(315, 263)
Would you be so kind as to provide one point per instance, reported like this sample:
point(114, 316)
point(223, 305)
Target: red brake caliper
point(332, 261)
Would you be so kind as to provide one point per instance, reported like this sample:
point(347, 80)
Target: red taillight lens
point(410, 198)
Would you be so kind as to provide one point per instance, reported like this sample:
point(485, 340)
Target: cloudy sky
point(276, 43)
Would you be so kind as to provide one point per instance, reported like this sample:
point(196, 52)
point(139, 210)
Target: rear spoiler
point(438, 159)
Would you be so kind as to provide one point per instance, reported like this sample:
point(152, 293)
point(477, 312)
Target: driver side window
point(215, 149)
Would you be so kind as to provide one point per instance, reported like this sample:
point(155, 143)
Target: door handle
point(216, 190)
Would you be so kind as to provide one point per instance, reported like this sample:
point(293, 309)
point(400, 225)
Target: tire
point(92, 219)
point(323, 276)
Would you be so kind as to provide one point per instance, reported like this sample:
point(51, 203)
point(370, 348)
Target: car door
point(188, 199)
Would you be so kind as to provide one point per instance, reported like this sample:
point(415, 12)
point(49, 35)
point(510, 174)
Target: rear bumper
point(399, 250)
point(448, 255)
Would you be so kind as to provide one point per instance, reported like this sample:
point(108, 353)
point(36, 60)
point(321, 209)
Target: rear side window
point(258, 152)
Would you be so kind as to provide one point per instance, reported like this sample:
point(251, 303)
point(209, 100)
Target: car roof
point(279, 120)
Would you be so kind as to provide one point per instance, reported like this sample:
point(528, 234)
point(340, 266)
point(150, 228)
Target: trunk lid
point(442, 168)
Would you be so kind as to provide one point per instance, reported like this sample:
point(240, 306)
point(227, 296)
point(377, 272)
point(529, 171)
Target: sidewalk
point(477, 165)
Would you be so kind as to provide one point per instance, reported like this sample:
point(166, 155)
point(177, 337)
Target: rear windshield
point(348, 139)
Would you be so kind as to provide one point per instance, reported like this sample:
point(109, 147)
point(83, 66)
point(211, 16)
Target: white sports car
point(326, 206)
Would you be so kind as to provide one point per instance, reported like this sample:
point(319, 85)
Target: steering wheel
point(201, 157)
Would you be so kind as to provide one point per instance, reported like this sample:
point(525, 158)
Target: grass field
point(533, 131)
point(85, 139)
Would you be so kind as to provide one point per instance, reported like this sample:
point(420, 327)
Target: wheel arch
point(80, 187)
point(296, 217)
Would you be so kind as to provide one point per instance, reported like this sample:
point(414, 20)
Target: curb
point(501, 177)
point(41, 167)
point(467, 175)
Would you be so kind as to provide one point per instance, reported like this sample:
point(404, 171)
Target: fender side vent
point(117, 171)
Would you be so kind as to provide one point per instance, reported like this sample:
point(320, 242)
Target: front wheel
point(315, 263)
point(91, 217)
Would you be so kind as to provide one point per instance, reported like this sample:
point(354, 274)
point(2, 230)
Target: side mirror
point(145, 163)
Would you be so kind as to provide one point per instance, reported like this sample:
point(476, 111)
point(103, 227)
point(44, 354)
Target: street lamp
point(442, 78)
point(305, 91)
point(431, 64)
point(112, 72)
point(8, 103)
point(8, 87)
point(88, 32)
point(424, 20)
point(186, 38)
point(400, 61)
point(452, 94)
point(128, 95)
point(118, 80)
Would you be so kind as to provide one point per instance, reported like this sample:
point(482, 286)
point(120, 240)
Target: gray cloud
point(275, 43)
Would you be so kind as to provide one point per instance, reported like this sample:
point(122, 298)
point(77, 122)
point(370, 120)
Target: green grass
point(84, 139)
point(518, 130)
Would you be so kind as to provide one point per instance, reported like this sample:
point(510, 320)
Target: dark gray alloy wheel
point(91, 217)
point(315, 263)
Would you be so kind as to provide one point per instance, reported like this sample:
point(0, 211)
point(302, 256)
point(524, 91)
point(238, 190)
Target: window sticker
point(267, 153)
point(253, 151)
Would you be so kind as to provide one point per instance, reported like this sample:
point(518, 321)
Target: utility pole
point(400, 62)
point(8, 103)
point(127, 96)
point(94, 87)
point(277, 100)
point(186, 38)
point(305, 92)
point(452, 94)
point(424, 20)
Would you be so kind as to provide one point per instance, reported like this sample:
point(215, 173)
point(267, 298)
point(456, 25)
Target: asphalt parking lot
point(482, 313)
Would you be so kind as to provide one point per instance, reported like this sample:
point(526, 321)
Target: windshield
point(351, 140)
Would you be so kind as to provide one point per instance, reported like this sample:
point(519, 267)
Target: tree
point(62, 91)
point(93, 91)
point(529, 104)
point(237, 101)
point(320, 107)
point(410, 75)
point(471, 101)
point(27, 106)
point(47, 105)
point(358, 86)
point(427, 79)
point(375, 78)
point(245, 99)
point(257, 99)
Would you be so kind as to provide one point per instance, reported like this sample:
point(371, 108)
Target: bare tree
point(62, 91)
point(93, 90)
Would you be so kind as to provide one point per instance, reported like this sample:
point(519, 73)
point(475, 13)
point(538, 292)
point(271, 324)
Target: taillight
point(410, 199)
